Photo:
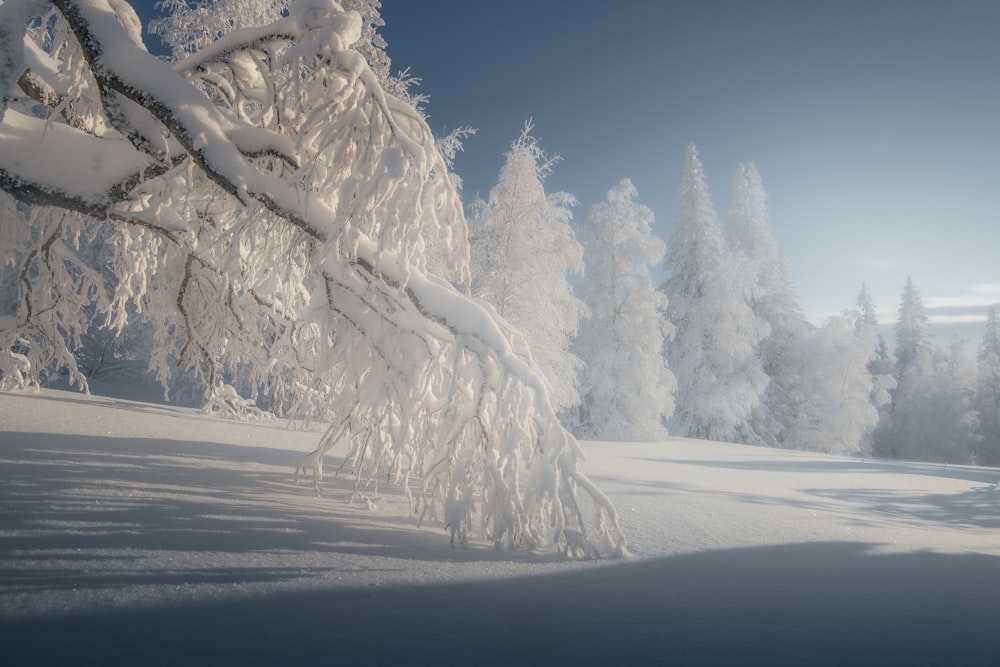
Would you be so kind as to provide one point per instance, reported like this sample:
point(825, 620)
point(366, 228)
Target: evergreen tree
point(912, 343)
point(829, 400)
point(767, 283)
point(523, 247)
point(748, 232)
point(626, 387)
point(714, 353)
point(930, 417)
point(988, 391)
point(881, 364)
point(913, 362)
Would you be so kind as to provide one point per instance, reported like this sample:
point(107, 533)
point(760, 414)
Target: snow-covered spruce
point(932, 414)
point(821, 394)
point(522, 248)
point(272, 209)
point(720, 379)
point(988, 392)
point(626, 387)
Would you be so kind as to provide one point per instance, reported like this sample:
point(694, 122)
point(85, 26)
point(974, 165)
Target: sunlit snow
point(71, 161)
point(140, 534)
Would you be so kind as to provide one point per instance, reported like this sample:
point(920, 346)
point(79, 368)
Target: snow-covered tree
point(770, 291)
point(271, 208)
point(187, 26)
point(829, 400)
point(868, 319)
point(626, 387)
point(523, 247)
point(912, 342)
point(720, 380)
point(748, 231)
point(988, 391)
point(880, 366)
point(931, 416)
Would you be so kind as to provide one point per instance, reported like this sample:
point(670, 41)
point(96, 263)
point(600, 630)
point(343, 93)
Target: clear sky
point(875, 125)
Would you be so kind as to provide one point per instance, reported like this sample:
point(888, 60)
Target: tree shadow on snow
point(977, 507)
point(66, 498)
point(800, 604)
point(80, 514)
point(812, 463)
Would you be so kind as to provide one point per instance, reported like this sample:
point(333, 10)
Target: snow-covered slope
point(138, 534)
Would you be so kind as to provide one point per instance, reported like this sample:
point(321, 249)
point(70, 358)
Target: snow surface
point(141, 534)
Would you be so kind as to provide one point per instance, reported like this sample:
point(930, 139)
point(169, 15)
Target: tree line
point(721, 350)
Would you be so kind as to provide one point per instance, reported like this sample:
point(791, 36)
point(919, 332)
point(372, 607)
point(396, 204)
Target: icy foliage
point(627, 389)
point(912, 343)
point(881, 365)
point(188, 26)
point(522, 249)
point(763, 275)
point(830, 400)
point(931, 416)
point(273, 209)
point(820, 395)
point(720, 380)
point(988, 391)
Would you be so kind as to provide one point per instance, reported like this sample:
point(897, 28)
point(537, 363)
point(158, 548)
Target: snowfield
point(140, 534)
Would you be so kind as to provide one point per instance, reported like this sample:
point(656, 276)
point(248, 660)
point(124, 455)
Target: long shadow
point(982, 474)
point(121, 401)
point(99, 501)
point(800, 604)
point(66, 498)
point(978, 507)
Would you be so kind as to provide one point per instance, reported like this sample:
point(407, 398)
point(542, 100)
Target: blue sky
point(875, 125)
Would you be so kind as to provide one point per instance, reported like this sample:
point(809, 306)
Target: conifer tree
point(930, 417)
point(881, 364)
point(626, 387)
point(714, 353)
point(880, 367)
point(912, 343)
point(767, 283)
point(523, 247)
point(988, 391)
point(830, 399)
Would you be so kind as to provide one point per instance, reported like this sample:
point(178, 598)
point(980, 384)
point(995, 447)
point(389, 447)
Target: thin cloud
point(958, 313)
point(989, 290)
point(881, 264)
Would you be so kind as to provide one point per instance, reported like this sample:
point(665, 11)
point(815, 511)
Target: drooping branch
point(356, 218)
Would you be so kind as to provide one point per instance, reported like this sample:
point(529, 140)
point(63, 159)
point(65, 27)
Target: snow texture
point(66, 160)
point(136, 534)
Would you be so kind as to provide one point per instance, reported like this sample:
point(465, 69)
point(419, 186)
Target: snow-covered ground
point(139, 534)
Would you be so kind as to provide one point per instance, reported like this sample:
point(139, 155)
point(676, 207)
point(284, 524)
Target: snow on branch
point(285, 227)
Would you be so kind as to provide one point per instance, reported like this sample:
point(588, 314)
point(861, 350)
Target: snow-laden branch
point(276, 212)
point(55, 164)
